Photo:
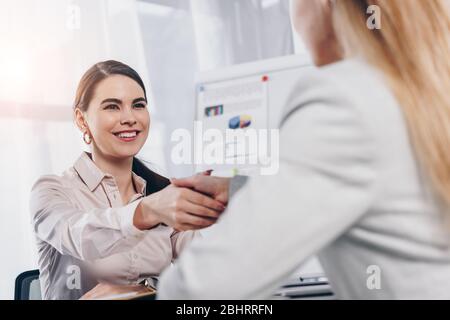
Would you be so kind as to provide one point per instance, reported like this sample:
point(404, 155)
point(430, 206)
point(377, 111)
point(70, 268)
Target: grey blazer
point(349, 190)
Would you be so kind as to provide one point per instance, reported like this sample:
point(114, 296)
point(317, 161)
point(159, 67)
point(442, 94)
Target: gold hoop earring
point(87, 138)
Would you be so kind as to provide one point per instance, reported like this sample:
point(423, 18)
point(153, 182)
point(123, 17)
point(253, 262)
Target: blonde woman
point(364, 178)
point(109, 221)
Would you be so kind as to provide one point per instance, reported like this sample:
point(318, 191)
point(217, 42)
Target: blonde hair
point(412, 48)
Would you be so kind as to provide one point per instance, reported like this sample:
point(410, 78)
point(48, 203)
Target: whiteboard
point(252, 94)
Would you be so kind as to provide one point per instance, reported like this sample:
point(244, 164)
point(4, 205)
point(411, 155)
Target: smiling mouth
point(127, 136)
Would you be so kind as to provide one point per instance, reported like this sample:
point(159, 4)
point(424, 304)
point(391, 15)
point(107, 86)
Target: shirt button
point(135, 256)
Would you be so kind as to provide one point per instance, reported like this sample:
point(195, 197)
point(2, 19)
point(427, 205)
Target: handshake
point(186, 204)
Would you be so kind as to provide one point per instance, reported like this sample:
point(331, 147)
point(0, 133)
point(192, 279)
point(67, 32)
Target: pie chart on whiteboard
point(240, 122)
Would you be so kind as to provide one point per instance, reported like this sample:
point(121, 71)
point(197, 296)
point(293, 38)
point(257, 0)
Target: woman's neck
point(120, 169)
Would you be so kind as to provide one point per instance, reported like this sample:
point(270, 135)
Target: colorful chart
point(214, 111)
point(240, 122)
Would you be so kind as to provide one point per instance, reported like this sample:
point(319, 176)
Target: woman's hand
point(216, 187)
point(179, 208)
point(105, 290)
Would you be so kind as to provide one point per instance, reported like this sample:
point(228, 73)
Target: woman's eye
point(111, 107)
point(140, 105)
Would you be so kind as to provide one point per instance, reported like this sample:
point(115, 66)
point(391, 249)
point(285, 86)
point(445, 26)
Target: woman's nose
point(128, 118)
point(129, 122)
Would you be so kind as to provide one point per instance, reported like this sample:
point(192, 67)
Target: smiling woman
point(109, 219)
point(113, 113)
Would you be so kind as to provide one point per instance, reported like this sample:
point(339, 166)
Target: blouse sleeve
point(85, 235)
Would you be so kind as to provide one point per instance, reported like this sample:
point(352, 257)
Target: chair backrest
point(27, 286)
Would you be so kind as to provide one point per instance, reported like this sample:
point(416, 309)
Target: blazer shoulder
point(349, 84)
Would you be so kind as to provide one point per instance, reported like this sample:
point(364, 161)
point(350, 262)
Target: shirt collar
point(88, 171)
point(139, 183)
point(92, 176)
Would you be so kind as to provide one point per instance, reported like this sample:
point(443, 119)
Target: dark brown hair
point(97, 73)
point(83, 97)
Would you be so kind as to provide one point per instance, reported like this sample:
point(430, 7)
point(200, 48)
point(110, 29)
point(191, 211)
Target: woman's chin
point(125, 153)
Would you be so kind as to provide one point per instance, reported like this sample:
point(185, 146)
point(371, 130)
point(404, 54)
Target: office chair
point(27, 286)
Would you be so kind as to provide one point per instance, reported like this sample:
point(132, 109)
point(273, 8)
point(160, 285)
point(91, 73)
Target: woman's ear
point(80, 120)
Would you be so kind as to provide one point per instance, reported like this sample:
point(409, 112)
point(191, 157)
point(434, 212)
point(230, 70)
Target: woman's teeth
point(127, 134)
